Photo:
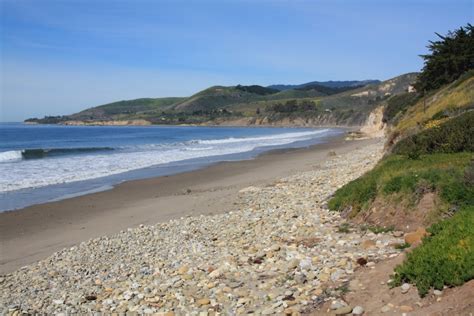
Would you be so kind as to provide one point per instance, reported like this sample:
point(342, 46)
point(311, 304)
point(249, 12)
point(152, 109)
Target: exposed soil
point(399, 214)
point(368, 288)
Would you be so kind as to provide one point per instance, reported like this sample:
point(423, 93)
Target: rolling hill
point(329, 84)
point(334, 103)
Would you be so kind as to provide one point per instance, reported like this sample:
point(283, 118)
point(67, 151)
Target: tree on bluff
point(450, 57)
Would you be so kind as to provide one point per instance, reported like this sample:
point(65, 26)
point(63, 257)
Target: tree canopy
point(450, 57)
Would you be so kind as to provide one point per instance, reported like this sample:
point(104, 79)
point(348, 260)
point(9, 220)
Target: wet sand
point(35, 232)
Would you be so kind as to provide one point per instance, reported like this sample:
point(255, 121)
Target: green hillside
point(220, 104)
point(126, 108)
point(350, 107)
point(427, 179)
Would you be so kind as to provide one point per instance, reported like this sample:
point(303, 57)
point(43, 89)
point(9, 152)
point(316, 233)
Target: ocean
point(42, 163)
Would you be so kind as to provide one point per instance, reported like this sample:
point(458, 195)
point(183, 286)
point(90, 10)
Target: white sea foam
point(64, 169)
point(10, 155)
point(263, 138)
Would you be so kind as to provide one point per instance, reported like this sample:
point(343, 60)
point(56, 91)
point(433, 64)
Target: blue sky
point(58, 57)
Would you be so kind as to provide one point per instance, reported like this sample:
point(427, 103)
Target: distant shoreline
point(228, 123)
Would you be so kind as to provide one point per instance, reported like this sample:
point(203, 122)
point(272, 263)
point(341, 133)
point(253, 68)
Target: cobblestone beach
point(277, 254)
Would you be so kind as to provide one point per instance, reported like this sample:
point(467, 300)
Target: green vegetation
point(455, 135)
point(344, 228)
point(292, 106)
point(330, 84)
point(446, 257)
point(450, 57)
point(453, 99)
point(396, 174)
point(327, 90)
point(402, 246)
point(344, 103)
point(397, 105)
point(257, 89)
point(379, 229)
point(437, 157)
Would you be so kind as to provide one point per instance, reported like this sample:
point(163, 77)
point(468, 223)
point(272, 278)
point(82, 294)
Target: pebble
point(358, 310)
point(406, 308)
point(203, 301)
point(275, 252)
point(405, 287)
point(343, 310)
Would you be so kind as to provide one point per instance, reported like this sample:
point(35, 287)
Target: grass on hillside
point(442, 173)
point(459, 94)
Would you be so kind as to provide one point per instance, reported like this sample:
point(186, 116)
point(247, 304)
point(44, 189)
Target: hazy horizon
point(61, 57)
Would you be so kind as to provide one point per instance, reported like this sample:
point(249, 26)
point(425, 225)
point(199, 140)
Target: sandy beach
point(36, 232)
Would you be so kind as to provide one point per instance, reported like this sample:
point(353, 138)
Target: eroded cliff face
point(374, 127)
point(328, 119)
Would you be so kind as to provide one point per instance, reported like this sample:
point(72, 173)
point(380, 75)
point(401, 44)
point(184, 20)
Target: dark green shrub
point(414, 154)
point(381, 229)
point(402, 246)
point(257, 89)
point(398, 104)
point(449, 58)
point(440, 115)
point(455, 135)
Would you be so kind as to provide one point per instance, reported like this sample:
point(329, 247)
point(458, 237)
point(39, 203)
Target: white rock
point(405, 287)
point(358, 310)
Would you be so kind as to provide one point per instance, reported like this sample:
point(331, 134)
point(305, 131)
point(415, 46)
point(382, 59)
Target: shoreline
point(23, 198)
point(277, 250)
point(37, 231)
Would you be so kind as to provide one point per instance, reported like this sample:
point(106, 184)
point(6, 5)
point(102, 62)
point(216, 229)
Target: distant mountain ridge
point(310, 104)
point(329, 84)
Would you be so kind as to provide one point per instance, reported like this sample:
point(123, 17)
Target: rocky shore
point(279, 253)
